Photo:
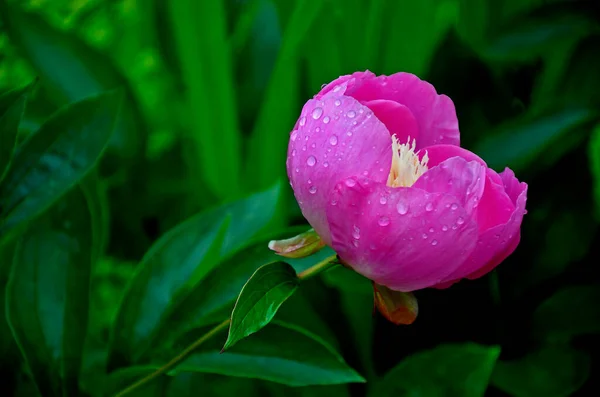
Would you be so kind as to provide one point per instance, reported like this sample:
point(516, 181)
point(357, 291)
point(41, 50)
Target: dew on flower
point(311, 160)
point(326, 164)
point(317, 113)
point(444, 228)
point(294, 135)
point(460, 220)
point(326, 119)
point(454, 206)
point(431, 230)
point(429, 207)
point(302, 121)
point(349, 133)
point(337, 102)
point(350, 182)
point(312, 189)
point(351, 114)
point(402, 207)
point(293, 152)
point(356, 232)
point(424, 236)
point(434, 242)
point(382, 200)
point(384, 221)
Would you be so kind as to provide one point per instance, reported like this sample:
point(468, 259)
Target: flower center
point(406, 166)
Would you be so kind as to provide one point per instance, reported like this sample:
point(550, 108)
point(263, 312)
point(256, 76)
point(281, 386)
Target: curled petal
point(458, 177)
point(440, 153)
point(403, 238)
point(336, 138)
point(398, 119)
point(345, 82)
point(435, 114)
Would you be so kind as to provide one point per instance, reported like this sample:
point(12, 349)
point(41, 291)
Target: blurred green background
point(212, 89)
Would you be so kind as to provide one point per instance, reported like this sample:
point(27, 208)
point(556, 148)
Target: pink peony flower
point(377, 170)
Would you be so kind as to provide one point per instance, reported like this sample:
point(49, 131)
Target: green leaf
point(266, 148)
point(213, 299)
point(280, 353)
point(55, 158)
point(594, 161)
point(177, 263)
point(72, 71)
point(549, 372)
point(47, 294)
point(447, 370)
point(267, 289)
point(556, 319)
point(533, 140)
point(200, 36)
point(6, 339)
point(12, 106)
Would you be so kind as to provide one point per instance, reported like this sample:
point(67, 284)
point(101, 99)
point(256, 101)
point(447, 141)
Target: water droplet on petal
point(350, 182)
point(444, 228)
point(356, 233)
point(355, 243)
point(337, 88)
point(316, 113)
point(326, 119)
point(424, 236)
point(431, 230)
point(304, 148)
point(314, 145)
point(294, 136)
point(311, 160)
point(434, 242)
point(460, 220)
point(382, 200)
point(312, 189)
point(384, 221)
point(337, 102)
point(429, 207)
point(297, 169)
point(351, 114)
point(333, 140)
point(402, 207)
point(326, 164)
point(349, 133)
point(333, 202)
point(302, 121)
point(293, 152)
point(454, 206)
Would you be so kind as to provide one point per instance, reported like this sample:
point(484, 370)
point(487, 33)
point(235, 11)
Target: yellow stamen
point(406, 166)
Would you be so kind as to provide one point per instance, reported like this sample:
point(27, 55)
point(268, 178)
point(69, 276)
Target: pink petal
point(348, 79)
point(435, 114)
point(398, 119)
point(336, 138)
point(403, 238)
point(462, 179)
point(512, 186)
point(440, 153)
point(500, 224)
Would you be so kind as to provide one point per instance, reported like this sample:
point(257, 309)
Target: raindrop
point(326, 164)
point(356, 233)
point(454, 206)
point(304, 148)
point(333, 202)
point(337, 88)
point(431, 230)
point(337, 102)
point(297, 169)
point(306, 138)
point(302, 121)
point(350, 182)
point(326, 119)
point(382, 200)
point(317, 130)
point(312, 189)
point(429, 207)
point(434, 242)
point(293, 152)
point(294, 135)
point(444, 228)
point(349, 133)
point(351, 114)
point(316, 113)
point(333, 140)
point(365, 173)
point(460, 220)
point(311, 160)
point(355, 243)
point(384, 221)
point(314, 145)
point(424, 236)
point(402, 208)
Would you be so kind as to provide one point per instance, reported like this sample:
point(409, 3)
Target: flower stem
point(310, 272)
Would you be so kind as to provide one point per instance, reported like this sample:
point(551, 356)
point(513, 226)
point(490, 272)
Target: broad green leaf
point(540, 140)
point(549, 372)
point(6, 339)
point(266, 149)
point(556, 318)
point(12, 106)
point(213, 299)
point(473, 21)
point(200, 36)
point(47, 294)
point(447, 370)
point(55, 158)
point(176, 264)
point(280, 353)
point(594, 161)
point(267, 289)
point(72, 71)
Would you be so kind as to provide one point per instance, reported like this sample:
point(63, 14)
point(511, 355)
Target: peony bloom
point(377, 170)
